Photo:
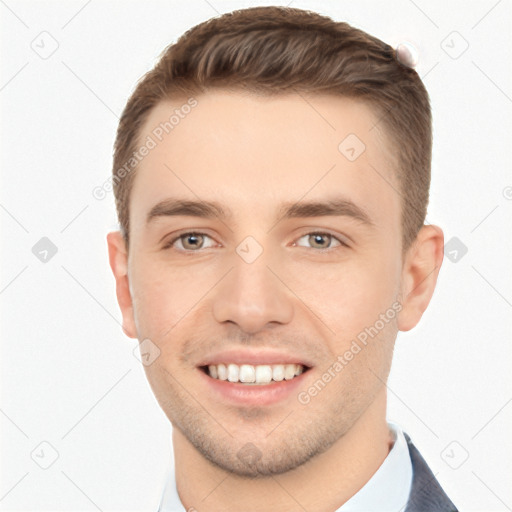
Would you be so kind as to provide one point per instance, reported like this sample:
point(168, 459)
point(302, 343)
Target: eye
point(320, 240)
point(193, 241)
point(189, 242)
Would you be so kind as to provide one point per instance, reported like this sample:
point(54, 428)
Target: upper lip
point(253, 357)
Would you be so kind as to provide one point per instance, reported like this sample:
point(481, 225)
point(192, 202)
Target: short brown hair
point(277, 50)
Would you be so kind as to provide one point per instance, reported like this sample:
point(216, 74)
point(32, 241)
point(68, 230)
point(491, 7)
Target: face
point(291, 254)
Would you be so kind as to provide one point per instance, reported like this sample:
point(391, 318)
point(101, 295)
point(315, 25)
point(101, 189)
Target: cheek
point(167, 297)
point(161, 296)
point(348, 296)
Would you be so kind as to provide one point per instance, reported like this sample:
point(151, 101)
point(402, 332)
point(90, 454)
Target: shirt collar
point(387, 490)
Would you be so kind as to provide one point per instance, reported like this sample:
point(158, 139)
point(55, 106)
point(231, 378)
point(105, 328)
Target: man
point(271, 177)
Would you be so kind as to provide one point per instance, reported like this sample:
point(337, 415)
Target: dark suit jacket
point(426, 493)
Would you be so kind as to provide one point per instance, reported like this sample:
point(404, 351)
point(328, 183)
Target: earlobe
point(118, 259)
point(419, 275)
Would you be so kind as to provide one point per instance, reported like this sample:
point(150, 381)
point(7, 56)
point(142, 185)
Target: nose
point(253, 296)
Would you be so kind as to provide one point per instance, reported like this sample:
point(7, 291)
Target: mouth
point(254, 375)
point(253, 378)
point(252, 385)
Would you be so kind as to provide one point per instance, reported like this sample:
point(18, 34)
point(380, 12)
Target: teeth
point(278, 372)
point(250, 374)
point(263, 374)
point(222, 372)
point(289, 371)
point(233, 372)
point(247, 373)
point(213, 370)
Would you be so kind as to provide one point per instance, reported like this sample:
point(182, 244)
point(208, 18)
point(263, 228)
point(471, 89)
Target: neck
point(322, 484)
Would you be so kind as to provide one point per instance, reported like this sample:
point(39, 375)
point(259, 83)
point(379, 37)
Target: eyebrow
point(210, 210)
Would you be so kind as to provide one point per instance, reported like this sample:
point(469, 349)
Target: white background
point(69, 376)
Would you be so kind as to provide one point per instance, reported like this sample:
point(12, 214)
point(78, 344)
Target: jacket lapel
point(426, 493)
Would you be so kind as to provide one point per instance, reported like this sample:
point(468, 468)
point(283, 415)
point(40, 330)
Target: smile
point(254, 374)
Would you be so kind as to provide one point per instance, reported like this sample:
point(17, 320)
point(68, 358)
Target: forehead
point(254, 151)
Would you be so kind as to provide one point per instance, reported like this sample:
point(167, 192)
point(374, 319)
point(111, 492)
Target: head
point(297, 152)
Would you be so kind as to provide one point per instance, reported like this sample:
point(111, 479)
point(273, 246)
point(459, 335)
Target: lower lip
point(263, 394)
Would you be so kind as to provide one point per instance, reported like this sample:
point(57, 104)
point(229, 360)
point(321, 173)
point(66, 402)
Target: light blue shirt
point(387, 490)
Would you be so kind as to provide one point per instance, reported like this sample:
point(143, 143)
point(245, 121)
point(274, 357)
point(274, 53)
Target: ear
point(419, 275)
point(118, 257)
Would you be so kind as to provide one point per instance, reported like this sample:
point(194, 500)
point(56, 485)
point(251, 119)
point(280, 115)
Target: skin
point(250, 154)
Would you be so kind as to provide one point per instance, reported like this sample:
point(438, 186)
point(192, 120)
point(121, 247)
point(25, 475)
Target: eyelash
point(169, 244)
